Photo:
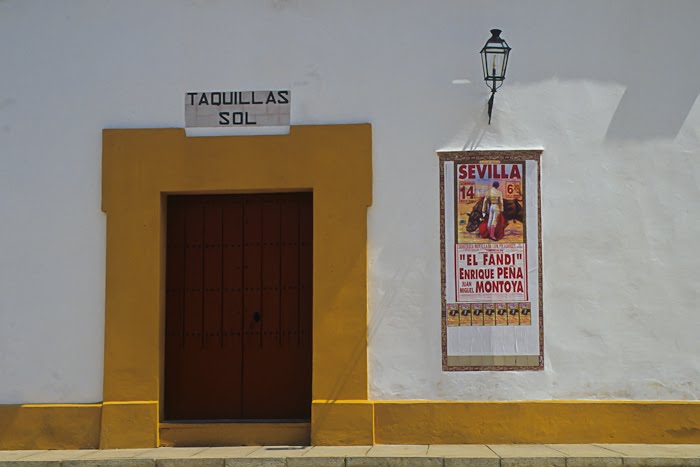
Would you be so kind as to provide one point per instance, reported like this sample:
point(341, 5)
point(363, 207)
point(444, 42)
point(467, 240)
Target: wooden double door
point(238, 307)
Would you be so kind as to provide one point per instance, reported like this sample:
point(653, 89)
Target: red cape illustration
point(500, 228)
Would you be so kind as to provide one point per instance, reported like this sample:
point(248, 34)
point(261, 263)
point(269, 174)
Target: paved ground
point(552, 455)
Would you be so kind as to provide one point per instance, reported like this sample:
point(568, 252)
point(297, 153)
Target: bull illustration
point(512, 210)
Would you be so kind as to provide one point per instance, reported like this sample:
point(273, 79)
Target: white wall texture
point(608, 89)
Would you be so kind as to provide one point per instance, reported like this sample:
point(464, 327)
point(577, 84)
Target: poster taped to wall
point(491, 260)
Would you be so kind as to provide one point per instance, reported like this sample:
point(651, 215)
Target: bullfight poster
point(491, 261)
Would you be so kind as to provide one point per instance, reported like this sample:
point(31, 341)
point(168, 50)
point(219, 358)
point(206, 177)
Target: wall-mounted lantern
point(494, 59)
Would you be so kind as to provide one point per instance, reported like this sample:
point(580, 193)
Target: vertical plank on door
point(252, 301)
point(174, 302)
point(207, 361)
point(232, 258)
point(262, 395)
point(297, 224)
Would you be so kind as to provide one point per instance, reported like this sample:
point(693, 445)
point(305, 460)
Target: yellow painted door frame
point(141, 167)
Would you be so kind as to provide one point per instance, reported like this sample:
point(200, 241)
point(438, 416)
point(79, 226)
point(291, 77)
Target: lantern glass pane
point(504, 63)
point(494, 64)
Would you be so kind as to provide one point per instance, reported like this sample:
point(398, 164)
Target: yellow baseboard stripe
point(50, 426)
point(133, 424)
point(457, 422)
point(536, 422)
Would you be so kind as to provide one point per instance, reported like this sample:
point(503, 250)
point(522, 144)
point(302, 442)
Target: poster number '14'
point(466, 191)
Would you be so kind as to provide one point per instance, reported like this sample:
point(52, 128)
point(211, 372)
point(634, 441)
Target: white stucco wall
point(608, 89)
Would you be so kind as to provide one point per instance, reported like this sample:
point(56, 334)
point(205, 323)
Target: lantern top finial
point(496, 40)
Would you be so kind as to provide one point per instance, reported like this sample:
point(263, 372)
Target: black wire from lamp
point(494, 59)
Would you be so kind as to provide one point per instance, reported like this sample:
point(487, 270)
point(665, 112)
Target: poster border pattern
point(472, 156)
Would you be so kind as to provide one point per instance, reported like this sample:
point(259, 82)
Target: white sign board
point(237, 108)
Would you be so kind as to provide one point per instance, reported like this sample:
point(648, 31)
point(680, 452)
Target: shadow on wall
point(662, 80)
point(476, 135)
point(647, 46)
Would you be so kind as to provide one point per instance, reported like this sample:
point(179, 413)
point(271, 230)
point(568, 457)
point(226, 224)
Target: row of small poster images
point(489, 314)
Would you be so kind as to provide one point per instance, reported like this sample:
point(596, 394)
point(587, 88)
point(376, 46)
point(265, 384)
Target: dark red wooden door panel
point(238, 307)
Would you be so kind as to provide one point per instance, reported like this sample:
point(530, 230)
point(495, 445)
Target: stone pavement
point(551, 455)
